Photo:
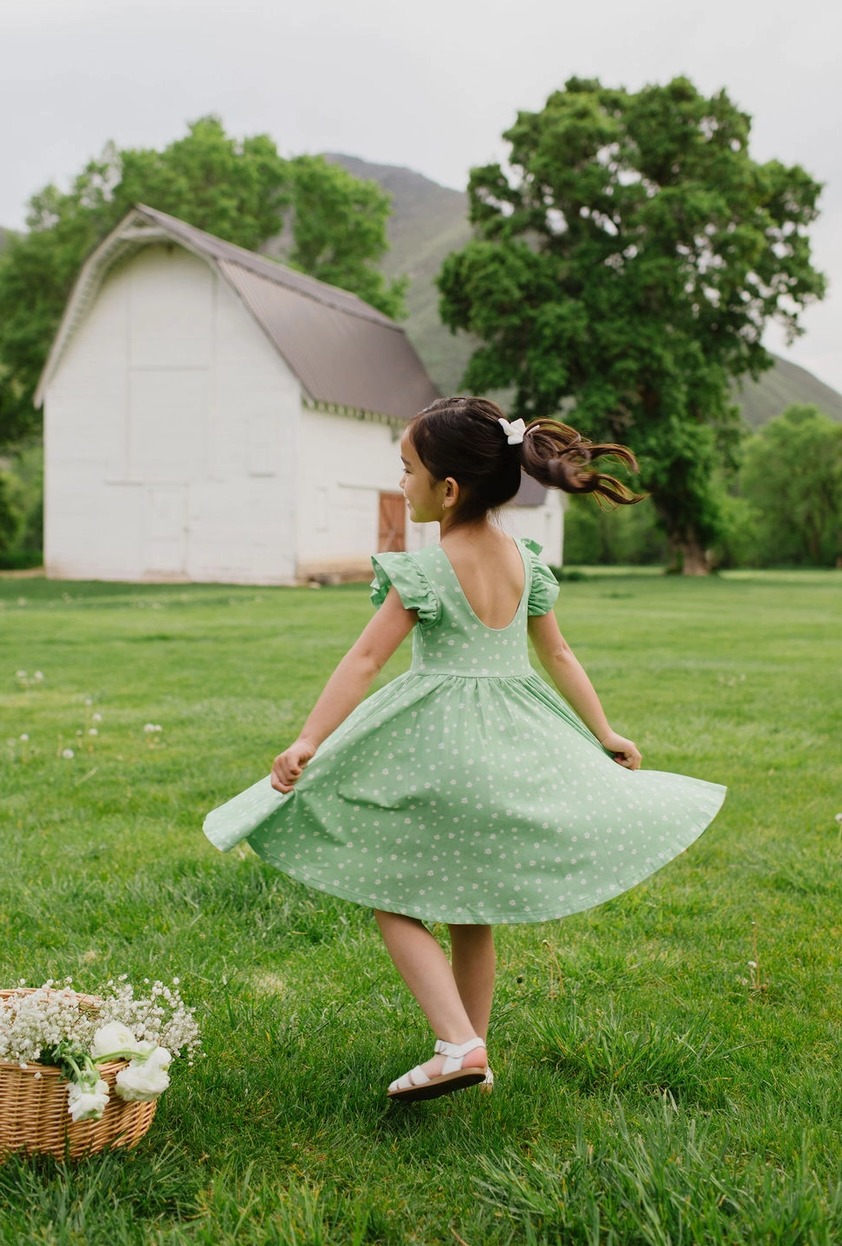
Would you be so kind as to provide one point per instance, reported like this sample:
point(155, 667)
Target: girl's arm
point(560, 663)
point(346, 687)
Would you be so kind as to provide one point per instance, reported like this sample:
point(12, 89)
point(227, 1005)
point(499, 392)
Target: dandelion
point(150, 727)
point(39, 675)
point(93, 731)
point(20, 674)
point(839, 818)
point(25, 738)
point(67, 754)
point(97, 718)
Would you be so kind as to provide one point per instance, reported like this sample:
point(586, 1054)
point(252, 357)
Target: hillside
point(428, 221)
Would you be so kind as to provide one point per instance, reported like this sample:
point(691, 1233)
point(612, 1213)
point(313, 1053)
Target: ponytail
point(463, 438)
point(559, 457)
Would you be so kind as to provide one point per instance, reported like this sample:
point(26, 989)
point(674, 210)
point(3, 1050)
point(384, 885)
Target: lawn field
point(668, 1065)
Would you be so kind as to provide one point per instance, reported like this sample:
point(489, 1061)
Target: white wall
point(171, 429)
point(544, 524)
point(345, 464)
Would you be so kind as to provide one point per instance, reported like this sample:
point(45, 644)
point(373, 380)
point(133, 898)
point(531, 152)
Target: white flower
point(92, 731)
point(97, 718)
point(25, 737)
point(87, 1102)
point(839, 817)
point(149, 727)
point(115, 1037)
point(67, 753)
point(146, 1076)
point(39, 675)
point(20, 674)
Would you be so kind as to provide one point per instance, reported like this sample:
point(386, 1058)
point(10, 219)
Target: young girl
point(466, 791)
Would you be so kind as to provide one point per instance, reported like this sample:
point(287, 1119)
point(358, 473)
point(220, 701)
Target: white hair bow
point(513, 431)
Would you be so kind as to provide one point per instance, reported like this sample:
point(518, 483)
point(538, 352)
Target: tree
point(629, 260)
point(242, 191)
point(792, 477)
point(339, 232)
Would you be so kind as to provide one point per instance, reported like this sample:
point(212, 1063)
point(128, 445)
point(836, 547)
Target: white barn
point(210, 415)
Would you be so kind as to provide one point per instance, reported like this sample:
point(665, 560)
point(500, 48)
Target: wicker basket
point(34, 1115)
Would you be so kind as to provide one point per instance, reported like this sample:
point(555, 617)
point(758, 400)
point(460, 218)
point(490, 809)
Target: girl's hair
point(462, 438)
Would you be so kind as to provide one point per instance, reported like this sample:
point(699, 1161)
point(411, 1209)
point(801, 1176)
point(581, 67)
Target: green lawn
point(653, 1084)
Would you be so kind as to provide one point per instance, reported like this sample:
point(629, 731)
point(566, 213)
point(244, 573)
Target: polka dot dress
point(467, 790)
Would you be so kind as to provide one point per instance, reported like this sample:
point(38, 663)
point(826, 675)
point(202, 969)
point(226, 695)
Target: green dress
point(467, 790)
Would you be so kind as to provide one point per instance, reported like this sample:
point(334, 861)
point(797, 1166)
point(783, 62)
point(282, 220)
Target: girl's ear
point(451, 493)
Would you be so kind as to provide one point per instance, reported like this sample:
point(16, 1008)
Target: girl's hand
point(288, 766)
point(626, 753)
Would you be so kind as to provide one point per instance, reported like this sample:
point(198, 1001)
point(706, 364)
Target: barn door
point(392, 529)
point(166, 531)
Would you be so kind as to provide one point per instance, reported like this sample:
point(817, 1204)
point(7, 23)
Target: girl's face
point(428, 499)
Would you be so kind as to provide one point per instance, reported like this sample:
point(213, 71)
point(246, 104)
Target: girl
point(466, 791)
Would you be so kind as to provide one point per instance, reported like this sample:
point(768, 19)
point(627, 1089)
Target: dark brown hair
point(462, 438)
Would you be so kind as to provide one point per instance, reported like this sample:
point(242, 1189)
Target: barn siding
point(345, 464)
point(171, 429)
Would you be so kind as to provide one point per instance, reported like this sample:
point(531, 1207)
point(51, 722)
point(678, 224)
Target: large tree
point(242, 191)
point(628, 259)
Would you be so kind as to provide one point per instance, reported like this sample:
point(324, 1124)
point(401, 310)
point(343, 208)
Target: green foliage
point(630, 261)
point(625, 536)
point(241, 190)
point(791, 478)
point(339, 232)
point(22, 509)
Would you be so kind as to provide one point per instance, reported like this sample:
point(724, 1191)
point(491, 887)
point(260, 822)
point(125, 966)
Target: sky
point(429, 86)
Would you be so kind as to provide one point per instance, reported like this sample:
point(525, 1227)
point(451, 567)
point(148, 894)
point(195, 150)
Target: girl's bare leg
point(474, 964)
point(426, 971)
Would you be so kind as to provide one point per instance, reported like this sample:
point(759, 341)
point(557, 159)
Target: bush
point(22, 509)
point(792, 478)
point(627, 535)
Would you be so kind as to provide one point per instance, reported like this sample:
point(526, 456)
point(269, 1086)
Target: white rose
point(87, 1102)
point(146, 1076)
point(115, 1037)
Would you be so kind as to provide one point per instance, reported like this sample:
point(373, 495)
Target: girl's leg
point(426, 971)
point(472, 953)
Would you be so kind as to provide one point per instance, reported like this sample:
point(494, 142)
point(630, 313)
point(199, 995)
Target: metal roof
point(343, 351)
point(530, 493)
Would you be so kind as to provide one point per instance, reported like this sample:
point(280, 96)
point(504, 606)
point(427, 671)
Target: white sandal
point(416, 1084)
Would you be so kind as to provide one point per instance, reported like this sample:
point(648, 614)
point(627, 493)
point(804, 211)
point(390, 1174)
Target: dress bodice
point(449, 639)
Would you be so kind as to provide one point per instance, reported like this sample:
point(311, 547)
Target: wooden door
point(392, 527)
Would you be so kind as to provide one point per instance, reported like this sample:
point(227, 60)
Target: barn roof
point(343, 351)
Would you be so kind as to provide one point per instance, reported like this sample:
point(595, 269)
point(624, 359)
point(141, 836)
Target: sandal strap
point(454, 1052)
point(415, 1077)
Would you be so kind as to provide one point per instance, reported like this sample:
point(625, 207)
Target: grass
point(667, 1065)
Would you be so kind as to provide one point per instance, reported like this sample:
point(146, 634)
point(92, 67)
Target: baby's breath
point(36, 1021)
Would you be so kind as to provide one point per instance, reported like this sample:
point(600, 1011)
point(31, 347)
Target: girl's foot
point(453, 1067)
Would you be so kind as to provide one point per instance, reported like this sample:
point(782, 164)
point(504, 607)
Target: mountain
point(780, 387)
point(428, 221)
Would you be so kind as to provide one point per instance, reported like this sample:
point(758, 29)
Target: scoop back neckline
point(473, 612)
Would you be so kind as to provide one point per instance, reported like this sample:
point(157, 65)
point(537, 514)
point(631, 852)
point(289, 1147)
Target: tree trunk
point(689, 557)
point(695, 559)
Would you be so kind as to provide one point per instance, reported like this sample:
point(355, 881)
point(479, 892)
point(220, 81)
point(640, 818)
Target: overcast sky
point(430, 86)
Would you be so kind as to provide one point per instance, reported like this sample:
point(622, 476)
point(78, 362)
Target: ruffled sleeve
point(543, 590)
point(402, 572)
